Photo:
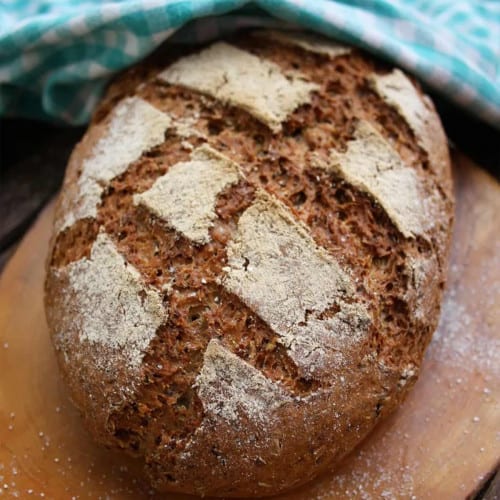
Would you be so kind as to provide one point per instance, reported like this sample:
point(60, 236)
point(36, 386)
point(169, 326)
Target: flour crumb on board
point(456, 342)
point(371, 479)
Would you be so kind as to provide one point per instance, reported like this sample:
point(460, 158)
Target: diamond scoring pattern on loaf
point(112, 305)
point(135, 127)
point(275, 267)
point(317, 339)
point(239, 78)
point(185, 196)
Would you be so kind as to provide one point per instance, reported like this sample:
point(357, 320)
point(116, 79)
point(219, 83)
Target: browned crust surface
point(398, 280)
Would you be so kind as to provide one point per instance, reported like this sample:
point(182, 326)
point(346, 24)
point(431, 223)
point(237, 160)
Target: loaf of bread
point(248, 258)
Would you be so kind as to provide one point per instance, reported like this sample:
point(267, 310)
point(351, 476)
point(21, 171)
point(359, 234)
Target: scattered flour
point(456, 340)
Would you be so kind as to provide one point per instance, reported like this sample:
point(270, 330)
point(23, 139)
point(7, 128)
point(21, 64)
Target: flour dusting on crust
point(371, 164)
point(397, 90)
point(229, 387)
point(244, 80)
point(275, 267)
point(135, 127)
point(112, 306)
point(186, 195)
point(311, 42)
point(423, 276)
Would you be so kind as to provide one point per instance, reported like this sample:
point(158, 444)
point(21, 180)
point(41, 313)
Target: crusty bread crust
point(239, 286)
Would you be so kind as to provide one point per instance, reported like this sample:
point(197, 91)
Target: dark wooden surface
point(33, 157)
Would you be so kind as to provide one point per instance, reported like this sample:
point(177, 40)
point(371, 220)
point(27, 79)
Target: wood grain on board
point(441, 443)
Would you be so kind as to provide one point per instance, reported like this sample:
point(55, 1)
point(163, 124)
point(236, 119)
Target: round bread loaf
point(248, 259)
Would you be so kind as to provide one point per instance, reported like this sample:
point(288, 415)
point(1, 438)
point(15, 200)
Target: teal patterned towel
point(57, 55)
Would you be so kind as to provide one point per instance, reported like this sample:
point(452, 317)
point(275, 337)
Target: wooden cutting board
point(441, 444)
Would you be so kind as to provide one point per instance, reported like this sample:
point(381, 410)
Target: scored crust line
point(228, 386)
point(185, 197)
point(113, 308)
point(397, 90)
point(244, 80)
point(371, 164)
point(135, 126)
point(269, 242)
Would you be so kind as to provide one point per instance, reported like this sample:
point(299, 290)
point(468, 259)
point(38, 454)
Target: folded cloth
point(56, 56)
